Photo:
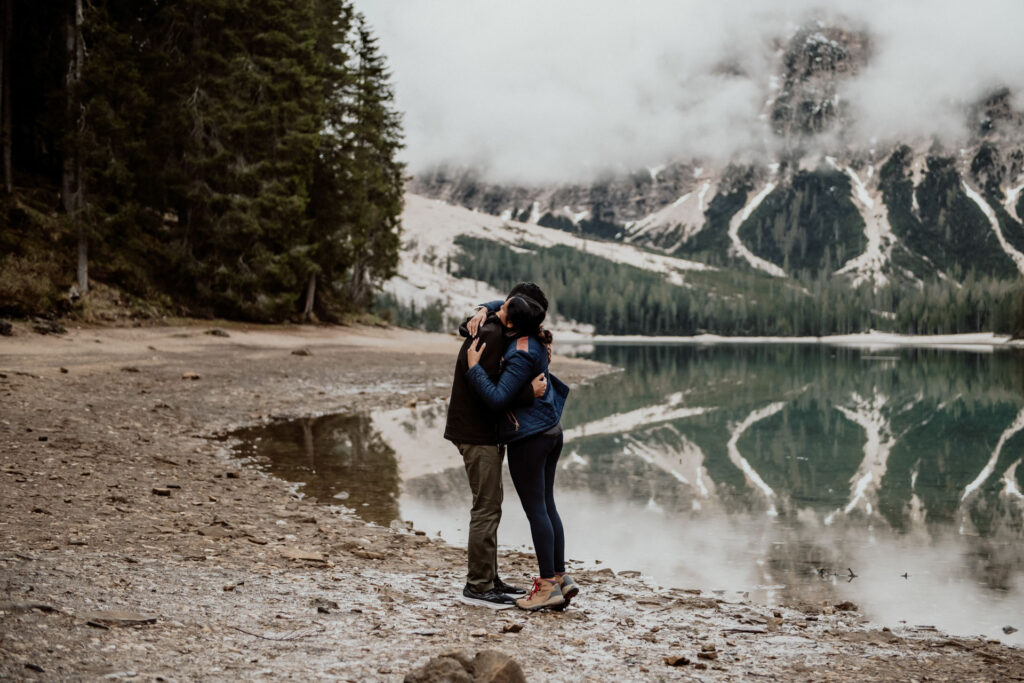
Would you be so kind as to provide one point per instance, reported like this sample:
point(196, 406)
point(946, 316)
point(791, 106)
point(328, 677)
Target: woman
point(534, 437)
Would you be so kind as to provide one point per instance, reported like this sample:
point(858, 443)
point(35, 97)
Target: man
point(473, 428)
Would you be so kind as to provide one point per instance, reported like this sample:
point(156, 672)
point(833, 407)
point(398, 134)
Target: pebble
point(117, 618)
point(297, 554)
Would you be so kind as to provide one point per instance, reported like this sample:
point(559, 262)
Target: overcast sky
point(545, 90)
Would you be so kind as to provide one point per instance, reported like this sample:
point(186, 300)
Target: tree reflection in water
point(337, 459)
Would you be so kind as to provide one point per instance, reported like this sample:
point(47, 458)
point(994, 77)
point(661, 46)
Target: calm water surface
point(772, 469)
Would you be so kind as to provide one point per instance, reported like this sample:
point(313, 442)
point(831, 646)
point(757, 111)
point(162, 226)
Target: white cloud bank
point(539, 90)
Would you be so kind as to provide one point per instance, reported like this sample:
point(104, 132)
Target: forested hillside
point(210, 157)
point(623, 299)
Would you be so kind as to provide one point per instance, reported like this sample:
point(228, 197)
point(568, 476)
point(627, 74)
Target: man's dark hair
point(525, 314)
point(532, 291)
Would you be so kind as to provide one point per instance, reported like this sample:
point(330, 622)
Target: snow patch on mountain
point(917, 172)
point(1018, 257)
point(734, 235)
point(534, 212)
point(1010, 204)
point(1010, 488)
point(871, 265)
point(685, 214)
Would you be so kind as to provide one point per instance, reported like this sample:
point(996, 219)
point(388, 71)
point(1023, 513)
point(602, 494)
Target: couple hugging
point(504, 397)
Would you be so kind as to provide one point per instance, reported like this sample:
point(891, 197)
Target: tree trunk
point(5, 93)
point(67, 181)
point(357, 284)
point(83, 258)
point(71, 184)
point(310, 297)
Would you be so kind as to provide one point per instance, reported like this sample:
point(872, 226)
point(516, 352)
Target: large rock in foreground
point(489, 666)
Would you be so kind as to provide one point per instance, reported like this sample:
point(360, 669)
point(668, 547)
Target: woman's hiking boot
point(545, 593)
point(570, 589)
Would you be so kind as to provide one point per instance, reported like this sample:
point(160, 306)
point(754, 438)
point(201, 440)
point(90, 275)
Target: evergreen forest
point(231, 158)
point(623, 299)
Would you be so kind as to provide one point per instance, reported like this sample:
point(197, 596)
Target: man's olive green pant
point(483, 467)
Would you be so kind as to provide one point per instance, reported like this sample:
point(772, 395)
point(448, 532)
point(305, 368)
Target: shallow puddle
point(335, 459)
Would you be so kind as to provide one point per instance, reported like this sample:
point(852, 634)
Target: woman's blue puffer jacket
point(524, 359)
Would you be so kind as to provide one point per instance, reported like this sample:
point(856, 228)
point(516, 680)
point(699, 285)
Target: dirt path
point(132, 545)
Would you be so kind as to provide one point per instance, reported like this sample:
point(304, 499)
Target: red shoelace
point(536, 587)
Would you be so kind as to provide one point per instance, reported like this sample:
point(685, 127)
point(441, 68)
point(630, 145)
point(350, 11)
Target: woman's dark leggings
point(532, 463)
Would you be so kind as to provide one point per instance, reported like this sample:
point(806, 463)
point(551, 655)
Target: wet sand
point(133, 543)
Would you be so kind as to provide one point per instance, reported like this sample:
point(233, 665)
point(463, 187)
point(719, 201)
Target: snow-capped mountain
point(815, 203)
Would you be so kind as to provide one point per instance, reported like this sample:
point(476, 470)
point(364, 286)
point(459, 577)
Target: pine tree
point(356, 197)
point(244, 120)
point(330, 225)
point(72, 186)
point(109, 143)
point(377, 181)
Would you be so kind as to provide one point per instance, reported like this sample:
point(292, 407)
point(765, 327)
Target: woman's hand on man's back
point(474, 323)
point(475, 350)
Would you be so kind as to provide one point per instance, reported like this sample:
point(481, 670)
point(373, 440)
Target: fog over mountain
point(539, 92)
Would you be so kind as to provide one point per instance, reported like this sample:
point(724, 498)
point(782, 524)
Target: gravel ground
point(132, 545)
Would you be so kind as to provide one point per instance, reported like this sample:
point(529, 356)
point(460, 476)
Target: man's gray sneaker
point(492, 599)
point(503, 587)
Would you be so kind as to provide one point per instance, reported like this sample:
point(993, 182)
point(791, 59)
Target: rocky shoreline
point(133, 545)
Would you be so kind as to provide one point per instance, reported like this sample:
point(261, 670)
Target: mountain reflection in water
point(773, 469)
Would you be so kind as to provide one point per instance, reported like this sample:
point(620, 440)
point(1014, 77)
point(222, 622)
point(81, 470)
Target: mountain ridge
point(817, 202)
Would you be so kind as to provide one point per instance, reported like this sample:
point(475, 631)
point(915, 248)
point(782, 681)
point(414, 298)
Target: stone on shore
point(489, 666)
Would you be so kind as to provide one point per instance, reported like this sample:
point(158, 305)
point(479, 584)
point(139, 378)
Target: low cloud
point(540, 91)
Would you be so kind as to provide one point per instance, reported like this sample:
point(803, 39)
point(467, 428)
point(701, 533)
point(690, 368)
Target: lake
point(803, 474)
